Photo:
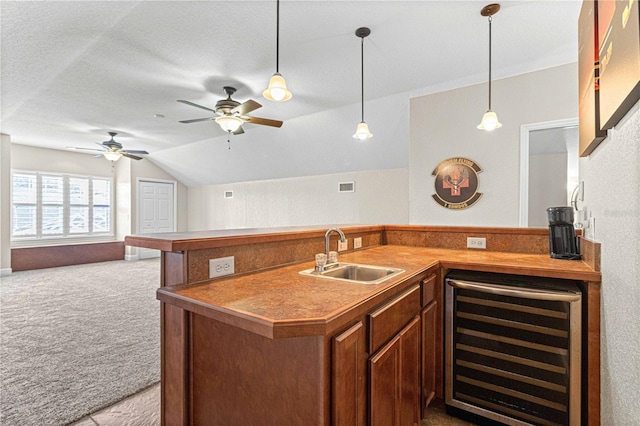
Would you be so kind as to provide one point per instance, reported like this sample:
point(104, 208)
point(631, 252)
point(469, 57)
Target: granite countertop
point(280, 302)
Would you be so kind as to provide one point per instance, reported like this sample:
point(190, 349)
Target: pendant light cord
point(362, 74)
point(277, 36)
point(490, 62)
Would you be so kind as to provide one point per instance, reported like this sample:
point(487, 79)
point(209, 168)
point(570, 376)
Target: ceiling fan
point(112, 150)
point(231, 113)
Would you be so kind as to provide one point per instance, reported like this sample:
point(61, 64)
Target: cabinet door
point(410, 374)
point(384, 389)
point(395, 379)
point(429, 353)
point(348, 404)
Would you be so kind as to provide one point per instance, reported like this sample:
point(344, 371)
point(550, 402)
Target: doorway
point(548, 168)
point(156, 211)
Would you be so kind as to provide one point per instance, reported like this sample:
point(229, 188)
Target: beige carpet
point(76, 339)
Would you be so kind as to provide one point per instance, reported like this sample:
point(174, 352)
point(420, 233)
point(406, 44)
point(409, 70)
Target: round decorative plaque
point(456, 183)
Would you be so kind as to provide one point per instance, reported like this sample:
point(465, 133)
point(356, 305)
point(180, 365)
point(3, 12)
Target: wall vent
point(347, 187)
point(228, 194)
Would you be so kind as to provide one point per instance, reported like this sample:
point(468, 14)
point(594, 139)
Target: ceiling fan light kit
point(277, 90)
point(362, 131)
point(490, 119)
point(232, 114)
point(112, 150)
point(229, 123)
point(111, 155)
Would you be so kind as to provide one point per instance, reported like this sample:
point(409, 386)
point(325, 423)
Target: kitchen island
point(272, 346)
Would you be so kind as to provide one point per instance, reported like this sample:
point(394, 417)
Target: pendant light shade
point(277, 90)
point(362, 131)
point(229, 123)
point(490, 119)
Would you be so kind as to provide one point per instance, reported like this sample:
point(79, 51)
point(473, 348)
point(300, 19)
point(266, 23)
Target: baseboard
point(131, 257)
point(5, 272)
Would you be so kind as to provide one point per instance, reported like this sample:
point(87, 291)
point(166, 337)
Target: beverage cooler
point(513, 348)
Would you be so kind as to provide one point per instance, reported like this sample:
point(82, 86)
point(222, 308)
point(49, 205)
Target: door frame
point(174, 183)
point(525, 130)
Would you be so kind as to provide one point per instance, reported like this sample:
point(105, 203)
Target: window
point(49, 206)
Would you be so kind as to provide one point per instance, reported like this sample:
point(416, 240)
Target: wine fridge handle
point(528, 293)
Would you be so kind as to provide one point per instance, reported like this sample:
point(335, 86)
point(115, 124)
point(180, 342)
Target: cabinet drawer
point(428, 289)
point(386, 321)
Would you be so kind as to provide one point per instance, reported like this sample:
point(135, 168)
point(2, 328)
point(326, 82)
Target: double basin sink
point(355, 273)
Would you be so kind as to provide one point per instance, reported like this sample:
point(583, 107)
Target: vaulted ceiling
point(72, 71)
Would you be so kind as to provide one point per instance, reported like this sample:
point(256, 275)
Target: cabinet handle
point(528, 293)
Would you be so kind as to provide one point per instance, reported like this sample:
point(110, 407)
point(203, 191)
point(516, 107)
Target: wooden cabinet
point(430, 342)
point(348, 387)
point(394, 373)
point(395, 364)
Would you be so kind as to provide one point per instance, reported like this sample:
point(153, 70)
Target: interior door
point(155, 211)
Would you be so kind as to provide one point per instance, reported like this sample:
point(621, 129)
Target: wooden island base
point(270, 346)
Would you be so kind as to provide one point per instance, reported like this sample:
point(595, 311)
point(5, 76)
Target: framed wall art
point(590, 134)
point(619, 54)
point(456, 183)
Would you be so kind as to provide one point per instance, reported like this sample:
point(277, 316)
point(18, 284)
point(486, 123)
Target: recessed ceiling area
point(74, 71)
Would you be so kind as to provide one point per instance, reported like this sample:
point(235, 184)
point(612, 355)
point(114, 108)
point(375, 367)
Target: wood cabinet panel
point(394, 372)
point(429, 353)
point(384, 387)
point(429, 289)
point(348, 392)
point(387, 320)
point(410, 340)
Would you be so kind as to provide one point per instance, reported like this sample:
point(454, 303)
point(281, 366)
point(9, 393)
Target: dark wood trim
point(592, 378)
point(28, 258)
point(175, 371)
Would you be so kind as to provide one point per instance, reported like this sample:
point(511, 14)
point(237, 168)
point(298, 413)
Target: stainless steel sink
point(355, 273)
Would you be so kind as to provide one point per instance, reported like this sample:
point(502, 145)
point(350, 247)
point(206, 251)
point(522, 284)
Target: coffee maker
point(563, 243)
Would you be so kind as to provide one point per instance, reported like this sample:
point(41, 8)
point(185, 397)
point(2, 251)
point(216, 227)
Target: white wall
point(547, 186)
point(443, 125)
point(612, 197)
point(5, 204)
point(124, 173)
point(380, 196)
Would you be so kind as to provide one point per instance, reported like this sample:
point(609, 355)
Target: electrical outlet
point(357, 243)
point(221, 266)
point(476, 243)
point(343, 246)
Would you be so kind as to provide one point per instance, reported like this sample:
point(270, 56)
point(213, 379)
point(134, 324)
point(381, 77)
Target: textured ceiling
point(74, 70)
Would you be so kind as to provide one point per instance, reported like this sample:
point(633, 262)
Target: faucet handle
point(333, 257)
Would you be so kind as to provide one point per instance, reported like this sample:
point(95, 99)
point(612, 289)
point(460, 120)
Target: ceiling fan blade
point(133, 151)
point(239, 131)
point(196, 120)
point(134, 157)
point(263, 121)
point(75, 148)
point(246, 107)
point(195, 105)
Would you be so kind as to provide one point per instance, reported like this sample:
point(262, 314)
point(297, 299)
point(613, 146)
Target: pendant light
point(277, 90)
point(362, 132)
point(490, 119)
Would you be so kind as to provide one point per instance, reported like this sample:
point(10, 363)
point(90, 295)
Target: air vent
point(228, 194)
point(347, 187)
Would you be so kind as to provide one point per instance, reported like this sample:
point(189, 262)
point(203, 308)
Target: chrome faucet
point(326, 239)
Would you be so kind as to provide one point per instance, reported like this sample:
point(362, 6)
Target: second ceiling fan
point(231, 114)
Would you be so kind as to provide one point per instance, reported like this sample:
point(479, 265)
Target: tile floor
point(143, 409)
